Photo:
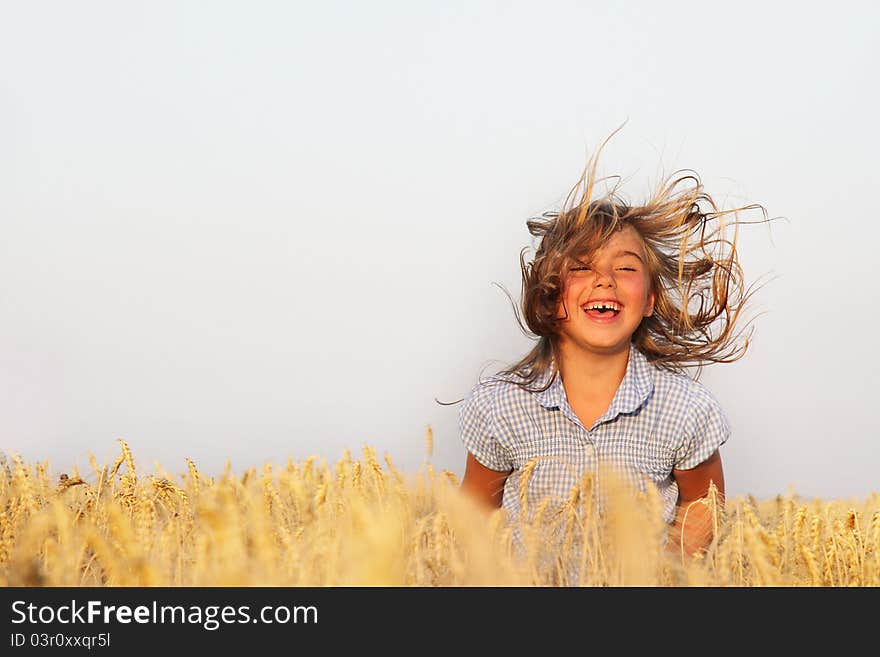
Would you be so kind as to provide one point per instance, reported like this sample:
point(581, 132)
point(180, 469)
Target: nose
point(604, 277)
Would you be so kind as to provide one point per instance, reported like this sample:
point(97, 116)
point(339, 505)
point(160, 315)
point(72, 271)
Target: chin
point(607, 348)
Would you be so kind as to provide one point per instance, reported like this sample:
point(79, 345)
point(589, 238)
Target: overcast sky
point(254, 231)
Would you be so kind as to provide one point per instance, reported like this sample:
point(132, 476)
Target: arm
point(482, 484)
point(694, 525)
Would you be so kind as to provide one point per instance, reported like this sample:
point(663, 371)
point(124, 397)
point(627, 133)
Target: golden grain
point(307, 524)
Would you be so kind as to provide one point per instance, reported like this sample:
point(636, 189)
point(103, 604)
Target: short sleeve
point(479, 430)
point(705, 430)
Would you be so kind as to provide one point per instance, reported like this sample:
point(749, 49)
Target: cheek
point(640, 292)
point(572, 290)
point(639, 288)
point(569, 295)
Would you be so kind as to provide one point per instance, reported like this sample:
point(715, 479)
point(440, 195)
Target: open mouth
point(602, 314)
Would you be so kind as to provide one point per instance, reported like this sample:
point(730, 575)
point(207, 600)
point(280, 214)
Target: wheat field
point(363, 522)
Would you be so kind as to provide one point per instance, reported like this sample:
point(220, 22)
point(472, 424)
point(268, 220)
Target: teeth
point(606, 305)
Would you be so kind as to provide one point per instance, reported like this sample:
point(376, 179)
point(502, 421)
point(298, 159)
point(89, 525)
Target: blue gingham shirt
point(658, 421)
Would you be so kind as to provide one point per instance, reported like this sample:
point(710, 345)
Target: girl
point(621, 298)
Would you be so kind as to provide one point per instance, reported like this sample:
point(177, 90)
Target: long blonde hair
point(694, 272)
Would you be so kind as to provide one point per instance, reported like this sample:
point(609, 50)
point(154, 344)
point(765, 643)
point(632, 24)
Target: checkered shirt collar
point(634, 389)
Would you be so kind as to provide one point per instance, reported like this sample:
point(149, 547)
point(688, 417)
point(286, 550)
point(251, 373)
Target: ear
point(650, 310)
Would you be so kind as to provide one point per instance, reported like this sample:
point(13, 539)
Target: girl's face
point(617, 274)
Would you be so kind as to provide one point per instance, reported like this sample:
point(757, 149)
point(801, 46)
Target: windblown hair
point(694, 273)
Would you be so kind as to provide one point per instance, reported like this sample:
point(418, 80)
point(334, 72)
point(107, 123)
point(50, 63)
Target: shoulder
point(491, 391)
point(504, 399)
point(507, 383)
point(483, 393)
point(705, 413)
point(702, 397)
point(692, 402)
point(682, 387)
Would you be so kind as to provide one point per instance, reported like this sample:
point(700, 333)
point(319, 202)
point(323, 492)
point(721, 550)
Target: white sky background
point(254, 231)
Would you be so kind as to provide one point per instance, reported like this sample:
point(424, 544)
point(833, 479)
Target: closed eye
point(587, 269)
